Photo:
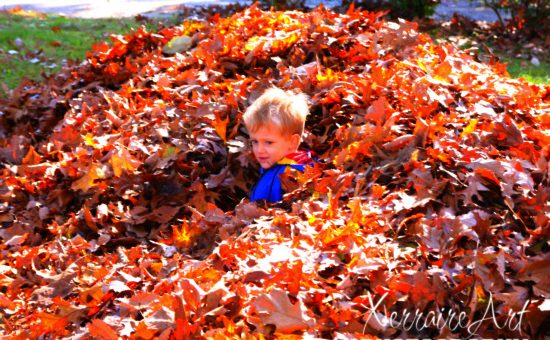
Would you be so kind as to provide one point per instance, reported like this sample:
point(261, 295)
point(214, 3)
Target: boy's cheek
point(255, 152)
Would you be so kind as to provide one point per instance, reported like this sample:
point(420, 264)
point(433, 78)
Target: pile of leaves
point(124, 183)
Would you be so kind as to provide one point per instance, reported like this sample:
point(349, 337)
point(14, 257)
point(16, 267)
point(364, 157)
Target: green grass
point(520, 68)
point(35, 44)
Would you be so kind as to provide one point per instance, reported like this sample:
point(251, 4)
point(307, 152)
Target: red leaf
point(378, 111)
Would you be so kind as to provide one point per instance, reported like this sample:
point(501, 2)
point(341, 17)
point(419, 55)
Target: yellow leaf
point(422, 66)
point(169, 151)
point(184, 236)
point(89, 140)
point(469, 129)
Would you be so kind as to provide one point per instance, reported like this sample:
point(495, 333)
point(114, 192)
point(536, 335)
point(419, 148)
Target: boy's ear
point(295, 140)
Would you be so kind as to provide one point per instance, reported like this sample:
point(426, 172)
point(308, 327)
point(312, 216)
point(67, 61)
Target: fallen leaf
point(101, 330)
point(275, 308)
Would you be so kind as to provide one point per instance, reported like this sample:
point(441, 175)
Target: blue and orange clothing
point(269, 186)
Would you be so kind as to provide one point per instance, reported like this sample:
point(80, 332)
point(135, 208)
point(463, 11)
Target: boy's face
point(270, 145)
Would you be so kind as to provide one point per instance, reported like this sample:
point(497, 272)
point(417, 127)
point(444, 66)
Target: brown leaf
point(537, 270)
point(163, 214)
point(275, 308)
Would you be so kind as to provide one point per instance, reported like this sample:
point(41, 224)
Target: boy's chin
point(266, 165)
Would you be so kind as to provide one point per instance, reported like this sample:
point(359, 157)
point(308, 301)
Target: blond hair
point(285, 110)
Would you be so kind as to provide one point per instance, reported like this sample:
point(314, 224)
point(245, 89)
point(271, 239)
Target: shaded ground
point(470, 9)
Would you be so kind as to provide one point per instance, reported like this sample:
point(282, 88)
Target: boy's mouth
point(263, 160)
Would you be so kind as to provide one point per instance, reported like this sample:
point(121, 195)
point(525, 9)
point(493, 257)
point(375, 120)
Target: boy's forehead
point(268, 130)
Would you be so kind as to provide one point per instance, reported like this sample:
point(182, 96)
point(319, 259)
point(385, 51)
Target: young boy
point(275, 122)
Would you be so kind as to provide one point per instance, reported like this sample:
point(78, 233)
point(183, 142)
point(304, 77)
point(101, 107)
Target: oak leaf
point(88, 180)
point(276, 308)
point(101, 330)
point(124, 161)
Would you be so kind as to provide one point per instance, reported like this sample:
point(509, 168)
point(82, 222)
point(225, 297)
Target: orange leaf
point(326, 79)
point(50, 323)
point(183, 236)
point(112, 68)
point(221, 127)
point(89, 140)
point(102, 330)
point(378, 191)
point(143, 332)
point(192, 293)
point(87, 181)
point(90, 222)
point(123, 160)
point(379, 75)
point(443, 71)
point(32, 157)
point(183, 328)
point(5, 302)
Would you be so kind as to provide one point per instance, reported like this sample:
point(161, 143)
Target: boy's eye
point(254, 142)
point(269, 142)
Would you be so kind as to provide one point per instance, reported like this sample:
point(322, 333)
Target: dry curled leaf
point(276, 308)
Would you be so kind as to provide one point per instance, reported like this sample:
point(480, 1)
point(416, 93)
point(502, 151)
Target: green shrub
point(283, 4)
point(407, 9)
point(526, 16)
